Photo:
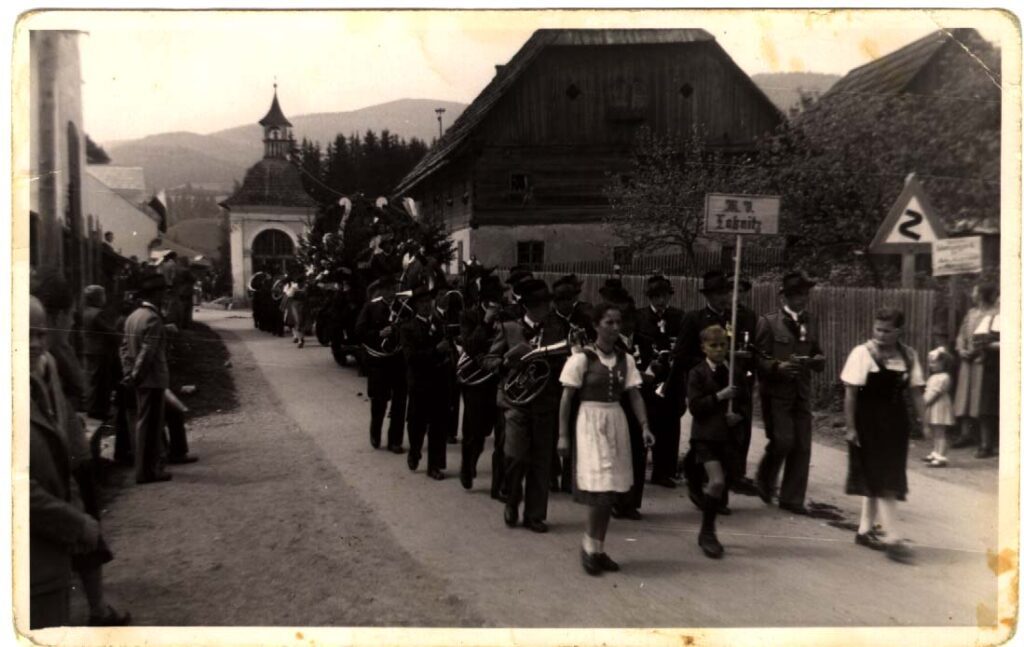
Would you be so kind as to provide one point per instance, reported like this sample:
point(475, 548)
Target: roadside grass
point(199, 357)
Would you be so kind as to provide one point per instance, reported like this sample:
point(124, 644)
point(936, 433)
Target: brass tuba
point(525, 382)
point(469, 373)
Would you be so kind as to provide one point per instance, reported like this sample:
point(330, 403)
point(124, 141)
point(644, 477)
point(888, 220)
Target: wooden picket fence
point(755, 261)
point(845, 315)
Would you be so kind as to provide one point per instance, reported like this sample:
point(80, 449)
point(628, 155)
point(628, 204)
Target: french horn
point(531, 376)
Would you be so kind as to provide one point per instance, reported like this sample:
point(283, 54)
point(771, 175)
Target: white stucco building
point(270, 210)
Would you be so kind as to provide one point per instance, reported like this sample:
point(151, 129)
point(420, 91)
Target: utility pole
point(440, 125)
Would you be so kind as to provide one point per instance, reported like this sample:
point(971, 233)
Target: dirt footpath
point(263, 531)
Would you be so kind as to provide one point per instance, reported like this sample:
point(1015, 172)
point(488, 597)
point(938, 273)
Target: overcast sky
point(146, 73)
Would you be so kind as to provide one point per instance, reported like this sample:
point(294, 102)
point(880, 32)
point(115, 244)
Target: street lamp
point(440, 127)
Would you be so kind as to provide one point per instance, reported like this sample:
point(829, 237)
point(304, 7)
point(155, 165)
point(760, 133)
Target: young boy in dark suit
point(713, 435)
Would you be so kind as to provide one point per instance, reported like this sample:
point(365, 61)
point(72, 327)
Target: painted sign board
point(741, 215)
point(956, 256)
point(911, 226)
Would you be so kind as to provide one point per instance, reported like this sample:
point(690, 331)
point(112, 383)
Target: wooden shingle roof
point(275, 117)
point(271, 182)
point(894, 72)
point(507, 75)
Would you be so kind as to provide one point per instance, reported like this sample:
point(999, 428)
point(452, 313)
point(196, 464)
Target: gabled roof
point(893, 73)
point(274, 116)
point(123, 179)
point(509, 73)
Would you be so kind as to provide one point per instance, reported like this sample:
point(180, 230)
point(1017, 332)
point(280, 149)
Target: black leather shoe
point(665, 482)
point(435, 474)
point(413, 462)
point(724, 510)
point(375, 442)
point(159, 478)
point(963, 441)
point(795, 509)
point(869, 540)
point(466, 480)
point(590, 563)
point(396, 449)
point(764, 491)
point(536, 525)
point(111, 618)
point(708, 542)
point(984, 452)
point(627, 513)
point(183, 460)
point(746, 487)
point(606, 563)
point(511, 515)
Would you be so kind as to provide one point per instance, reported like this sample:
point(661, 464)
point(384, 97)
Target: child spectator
point(939, 415)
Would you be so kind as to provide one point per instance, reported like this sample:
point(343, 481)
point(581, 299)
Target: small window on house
point(622, 255)
point(530, 253)
point(686, 90)
point(572, 92)
point(519, 184)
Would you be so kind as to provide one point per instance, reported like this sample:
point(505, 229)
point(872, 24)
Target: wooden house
point(521, 176)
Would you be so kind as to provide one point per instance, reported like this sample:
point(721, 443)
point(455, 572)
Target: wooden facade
point(554, 129)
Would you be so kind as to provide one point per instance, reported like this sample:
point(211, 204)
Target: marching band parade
point(582, 398)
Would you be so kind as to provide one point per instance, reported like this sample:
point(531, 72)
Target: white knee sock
point(887, 514)
point(591, 545)
point(868, 511)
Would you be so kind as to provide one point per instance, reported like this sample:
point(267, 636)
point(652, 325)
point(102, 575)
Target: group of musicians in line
point(501, 349)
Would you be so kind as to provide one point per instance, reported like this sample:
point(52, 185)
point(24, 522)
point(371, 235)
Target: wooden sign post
point(909, 229)
point(741, 215)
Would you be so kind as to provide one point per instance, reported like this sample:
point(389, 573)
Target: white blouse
point(576, 367)
point(860, 363)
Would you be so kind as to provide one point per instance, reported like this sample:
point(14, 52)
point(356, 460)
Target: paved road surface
point(779, 570)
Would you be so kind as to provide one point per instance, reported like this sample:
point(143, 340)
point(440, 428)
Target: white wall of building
point(132, 227)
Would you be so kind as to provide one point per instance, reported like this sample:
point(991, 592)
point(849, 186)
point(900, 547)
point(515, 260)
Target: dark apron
point(878, 467)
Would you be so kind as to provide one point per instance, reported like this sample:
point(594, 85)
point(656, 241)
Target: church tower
point(277, 132)
point(270, 211)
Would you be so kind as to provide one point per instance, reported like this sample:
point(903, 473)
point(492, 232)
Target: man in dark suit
point(477, 331)
point(377, 330)
point(58, 525)
point(448, 308)
point(657, 328)
point(529, 428)
point(99, 351)
point(568, 313)
point(428, 356)
point(144, 363)
point(787, 341)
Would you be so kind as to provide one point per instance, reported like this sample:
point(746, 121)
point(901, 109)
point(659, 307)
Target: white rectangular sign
point(956, 256)
point(741, 214)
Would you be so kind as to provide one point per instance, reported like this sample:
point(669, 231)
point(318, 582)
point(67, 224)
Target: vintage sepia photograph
point(514, 327)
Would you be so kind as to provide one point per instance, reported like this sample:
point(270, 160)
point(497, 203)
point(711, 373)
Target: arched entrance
point(272, 252)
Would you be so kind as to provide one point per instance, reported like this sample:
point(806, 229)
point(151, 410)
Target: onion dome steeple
point(277, 134)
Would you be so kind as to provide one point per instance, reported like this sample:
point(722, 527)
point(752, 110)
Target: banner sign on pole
point(739, 215)
point(956, 256)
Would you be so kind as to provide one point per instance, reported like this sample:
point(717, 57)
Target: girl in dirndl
point(878, 374)
point(603, 457)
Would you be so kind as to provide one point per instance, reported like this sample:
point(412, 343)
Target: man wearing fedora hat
point(144, 363)
point(657, 328)
point(385, 370)
point(428, 356)
point(567, 313)
point(717, 290)
point(530, 428)
point(788, 349)
point(477, 331)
